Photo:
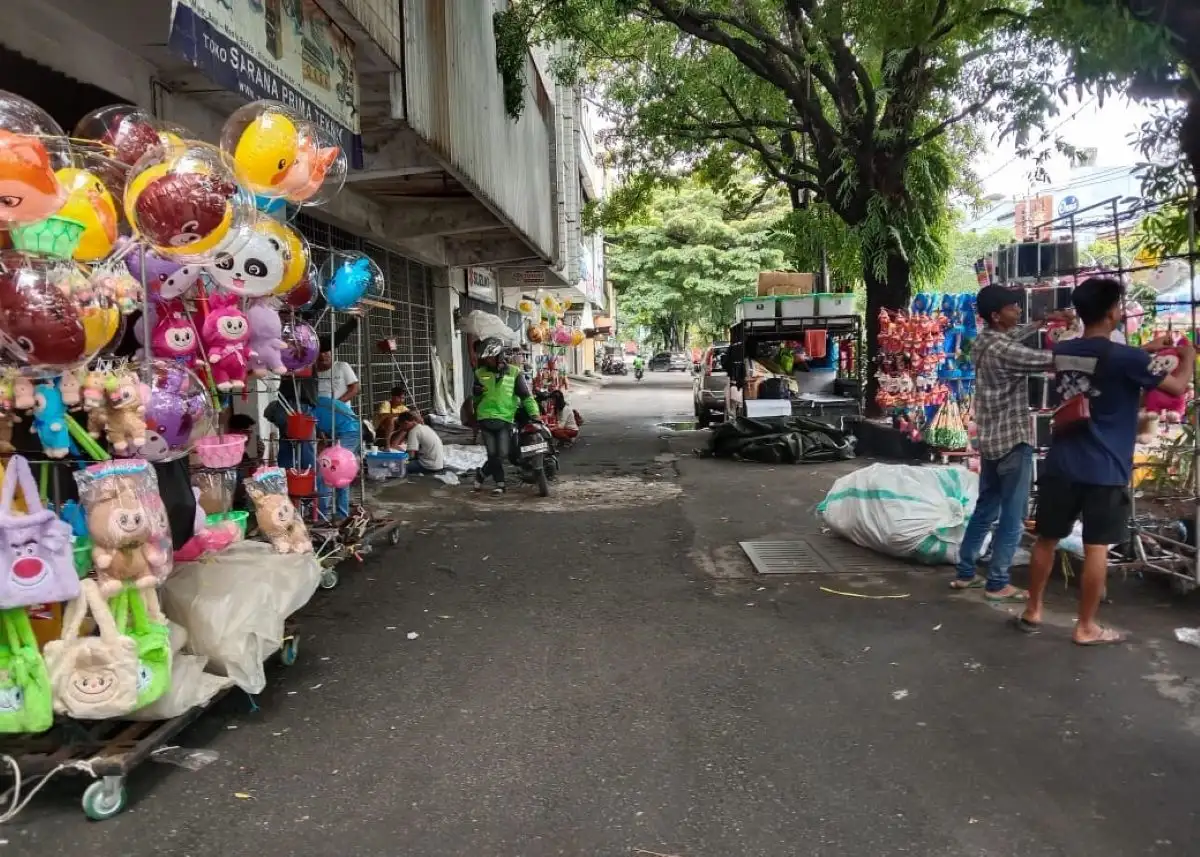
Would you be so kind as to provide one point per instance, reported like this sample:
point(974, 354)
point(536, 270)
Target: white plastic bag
point(902, 510)
point(190, 686)
point(233, 605)
point(482, 325)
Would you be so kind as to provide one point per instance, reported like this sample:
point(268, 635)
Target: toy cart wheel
point(329, 578)
point(290, 650)
point(394, 535)
point(104, 798)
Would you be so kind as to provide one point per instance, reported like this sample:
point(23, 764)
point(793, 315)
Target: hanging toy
point(90, 203)
point(71, 389)
point(94, 401)
point(50, 421)
point(174, 336)
point(338, 466)
point(317, 166)
point(165, 278)
point(40, 324)
point(266, 340)
point(226, 335)
point(254, 269)
point(295, 252)
point(263, 141)
point(125, 423)
point(348, 278)
point(29, 189)
point(1169, 407)
point(300, 346)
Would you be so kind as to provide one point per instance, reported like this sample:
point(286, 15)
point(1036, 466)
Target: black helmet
point(491, 347)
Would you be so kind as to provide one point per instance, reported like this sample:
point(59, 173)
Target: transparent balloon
point(126, 133)
point(258, 266)
point(178, 409)
point(185, 203)
point(320, 168)
point(93, 184)
point(305, 295)
point(267, 143)
point(32, 147)
point(347, 278)
point(114, 281)
point(298, 253)
point(301, 345)
point(51, 318)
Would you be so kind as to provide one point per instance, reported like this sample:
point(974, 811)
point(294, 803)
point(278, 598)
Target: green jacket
point(497, 396)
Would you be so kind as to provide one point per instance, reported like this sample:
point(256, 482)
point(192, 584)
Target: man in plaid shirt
point(1002, 365)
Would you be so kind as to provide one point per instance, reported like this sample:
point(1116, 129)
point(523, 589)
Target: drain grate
point(770, 557)
point(818, 555)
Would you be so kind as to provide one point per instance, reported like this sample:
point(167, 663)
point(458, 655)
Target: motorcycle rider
point(499, 390)
point(638, 365)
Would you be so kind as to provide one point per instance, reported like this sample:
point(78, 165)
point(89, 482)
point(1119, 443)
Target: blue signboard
point(231, 65)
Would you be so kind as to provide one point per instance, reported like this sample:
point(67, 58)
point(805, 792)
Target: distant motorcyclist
point(638, 366)
point(499, 390)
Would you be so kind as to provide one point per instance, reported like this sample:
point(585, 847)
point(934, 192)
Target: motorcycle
point(638, 373)
point(535, 455)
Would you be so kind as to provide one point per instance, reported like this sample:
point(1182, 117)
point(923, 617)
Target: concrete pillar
point(447, 338)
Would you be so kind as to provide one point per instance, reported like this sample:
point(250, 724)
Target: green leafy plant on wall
point(512, 45)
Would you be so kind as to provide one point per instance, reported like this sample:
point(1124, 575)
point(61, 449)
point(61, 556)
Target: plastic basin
point(221, 451)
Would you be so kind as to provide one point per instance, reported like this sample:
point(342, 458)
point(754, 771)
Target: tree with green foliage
point(965, 249)
point(865, 111)
point(682, 265)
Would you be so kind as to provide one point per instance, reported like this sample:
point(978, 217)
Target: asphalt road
point(601, 672)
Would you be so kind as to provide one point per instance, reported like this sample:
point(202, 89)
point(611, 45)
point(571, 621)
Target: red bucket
point(301, 427)
point(302, 483)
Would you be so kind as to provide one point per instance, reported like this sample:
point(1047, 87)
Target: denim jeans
point(1003, 494)
point(497, 439)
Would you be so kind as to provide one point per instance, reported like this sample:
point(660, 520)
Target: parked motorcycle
point(611, 366)
point(536, 456)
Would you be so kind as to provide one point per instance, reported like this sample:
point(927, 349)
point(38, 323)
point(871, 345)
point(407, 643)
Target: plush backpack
point(25, 699)
point(36, 563)
point(93, 678)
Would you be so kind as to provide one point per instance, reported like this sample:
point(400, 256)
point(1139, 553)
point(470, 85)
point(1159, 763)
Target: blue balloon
point(349, 282)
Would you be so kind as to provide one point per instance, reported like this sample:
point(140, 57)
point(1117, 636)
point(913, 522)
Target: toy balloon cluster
point(128, 214)
point(544, 324)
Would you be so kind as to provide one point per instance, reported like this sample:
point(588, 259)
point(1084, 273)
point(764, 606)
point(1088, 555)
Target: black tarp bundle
point(779, 440)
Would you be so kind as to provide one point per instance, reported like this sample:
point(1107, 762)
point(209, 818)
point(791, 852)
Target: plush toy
point(1167, 406)
point(266, 340)
point(226, 334)
point(125, 413)
point(22, 394)
point(274, 512)
point(174, 335)
point(277, 518)
point(93, 399)
point(71, 388)
point(50, 421)
point(122, 549)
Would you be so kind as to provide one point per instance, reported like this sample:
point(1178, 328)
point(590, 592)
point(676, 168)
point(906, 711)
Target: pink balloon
point(338, 466)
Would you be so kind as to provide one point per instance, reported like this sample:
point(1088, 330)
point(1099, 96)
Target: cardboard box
point(780, 283)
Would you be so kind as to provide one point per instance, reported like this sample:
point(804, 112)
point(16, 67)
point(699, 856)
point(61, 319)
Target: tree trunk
point(892, 293)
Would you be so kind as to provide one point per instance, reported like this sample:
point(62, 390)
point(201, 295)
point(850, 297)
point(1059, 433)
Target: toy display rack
point(1157, 542)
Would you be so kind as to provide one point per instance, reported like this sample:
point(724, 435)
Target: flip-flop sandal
point(1108, 637)
point(973, 583)
point(1020, 596)
point(1025, 626)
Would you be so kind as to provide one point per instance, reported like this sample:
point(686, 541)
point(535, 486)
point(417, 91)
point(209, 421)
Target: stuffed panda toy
point(256, 269)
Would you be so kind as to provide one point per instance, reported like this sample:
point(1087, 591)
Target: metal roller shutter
point(410, 323)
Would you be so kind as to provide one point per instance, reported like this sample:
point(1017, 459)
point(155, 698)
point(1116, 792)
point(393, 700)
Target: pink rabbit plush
point(226, 335)
point(174, 335)
point(266, 342)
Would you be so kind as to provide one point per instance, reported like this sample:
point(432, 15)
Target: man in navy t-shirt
point(1086, 474)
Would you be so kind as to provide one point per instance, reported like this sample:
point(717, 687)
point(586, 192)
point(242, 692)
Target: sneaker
point(498, 491)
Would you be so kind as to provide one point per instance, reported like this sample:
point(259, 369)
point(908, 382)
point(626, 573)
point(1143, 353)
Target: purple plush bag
point(36, 565)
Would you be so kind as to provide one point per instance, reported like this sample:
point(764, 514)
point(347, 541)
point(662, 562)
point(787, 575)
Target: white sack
point(233, 605)
point(903, 510)
point(190, 686)
point(482, 325)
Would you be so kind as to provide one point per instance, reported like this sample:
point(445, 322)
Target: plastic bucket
point(301, 427)
point(239, 517)
point(221, 451)
point(302, 483)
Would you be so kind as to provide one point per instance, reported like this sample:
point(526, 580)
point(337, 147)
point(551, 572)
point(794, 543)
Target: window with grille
point(410, 321)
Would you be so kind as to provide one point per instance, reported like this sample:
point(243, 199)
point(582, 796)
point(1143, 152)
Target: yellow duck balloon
point(266, 152)
point(295, 253)
point(90, 203)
